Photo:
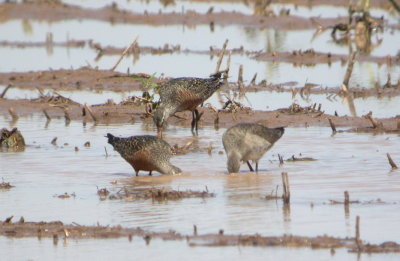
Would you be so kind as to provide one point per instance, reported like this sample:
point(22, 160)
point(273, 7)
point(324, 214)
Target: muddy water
point(353, 162)
point(365, 75)
point(121, 35)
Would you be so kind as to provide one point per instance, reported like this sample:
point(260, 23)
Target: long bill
point(159, 133)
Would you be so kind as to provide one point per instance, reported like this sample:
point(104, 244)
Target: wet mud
point(59, 11)
point(107, 80)
point(310, 57)
point(58, 229)
point(159, 194)
point(85, 78)
point(5, 185)
point(294, 116)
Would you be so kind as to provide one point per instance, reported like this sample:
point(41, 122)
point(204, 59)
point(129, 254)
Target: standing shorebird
point(184, 94)
point(145, 152)
point(246, 141)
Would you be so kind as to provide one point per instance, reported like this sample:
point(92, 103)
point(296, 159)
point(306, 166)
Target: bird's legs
point(196, 112)
point(195, 121)
point(137, 172)
point(250, 167)
point(159, 133)
point(257, 166)
point(150, 172)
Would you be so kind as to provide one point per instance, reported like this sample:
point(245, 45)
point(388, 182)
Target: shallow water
point(121, 35)
point(120, 249)
point(346, 161)
point(364, 75)
point(353, 162)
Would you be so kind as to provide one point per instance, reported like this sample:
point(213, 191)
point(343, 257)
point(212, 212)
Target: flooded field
point(121, 248)
point(352, 162)
point(68, 172)
point(365, 75)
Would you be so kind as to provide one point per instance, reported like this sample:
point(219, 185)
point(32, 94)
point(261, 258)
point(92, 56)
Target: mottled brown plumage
point(12, 139)
point(245, 141)
point(183, 94)
point(145, 152)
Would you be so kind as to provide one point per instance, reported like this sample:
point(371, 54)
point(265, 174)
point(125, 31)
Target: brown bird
point(145, 152)
point(184, 94)
point(245, 141)
point(12, 139)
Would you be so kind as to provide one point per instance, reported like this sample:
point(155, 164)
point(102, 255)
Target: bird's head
point(160, 119)
point(175, 170)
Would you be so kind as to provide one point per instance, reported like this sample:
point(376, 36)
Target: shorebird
point(245, 141)
point(184, 94)
point(145, 152)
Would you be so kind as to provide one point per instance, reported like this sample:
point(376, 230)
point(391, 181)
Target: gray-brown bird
point(145, 152)
point(246, 141)
point(184, 94)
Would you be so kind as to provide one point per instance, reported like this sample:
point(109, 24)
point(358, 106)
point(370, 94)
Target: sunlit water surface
point(365, 74)
point(353, 162)
point(121, 249)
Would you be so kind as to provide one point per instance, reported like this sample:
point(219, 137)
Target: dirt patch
point(131, 113)
point(310, 57)
point(5, 185)
point(58, 100)
point(80, 79)
point(293, 159)
point(297, 109)
point(56, 11)
point(158, 194)
point(376, 126)
point(59, 11)
point(57, 230)
point(137, 49)
point(105, 80)
point(70, 43)
point(65, 195)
